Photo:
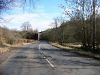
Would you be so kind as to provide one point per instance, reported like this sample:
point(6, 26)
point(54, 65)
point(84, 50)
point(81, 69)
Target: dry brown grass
point(60, 46)
point(3, 50)
point(7, 47)
point(76, 49)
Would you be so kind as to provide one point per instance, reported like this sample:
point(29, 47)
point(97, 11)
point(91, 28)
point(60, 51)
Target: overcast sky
point(40, 17)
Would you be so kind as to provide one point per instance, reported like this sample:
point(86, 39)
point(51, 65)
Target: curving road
point(44, 59)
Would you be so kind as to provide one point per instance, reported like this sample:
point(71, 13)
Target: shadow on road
point(73, 57)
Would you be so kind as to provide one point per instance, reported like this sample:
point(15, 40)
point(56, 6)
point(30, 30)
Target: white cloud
point(38, 21)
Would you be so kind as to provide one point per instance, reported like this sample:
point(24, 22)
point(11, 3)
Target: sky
point(39, 17)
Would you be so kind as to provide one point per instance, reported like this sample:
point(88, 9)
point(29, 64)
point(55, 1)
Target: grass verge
point(77, 49)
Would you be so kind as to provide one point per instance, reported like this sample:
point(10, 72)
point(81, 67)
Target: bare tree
point(26, 26)
point(5, 4)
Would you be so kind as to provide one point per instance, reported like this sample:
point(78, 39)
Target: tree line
point(12, 36)
point(82, 27)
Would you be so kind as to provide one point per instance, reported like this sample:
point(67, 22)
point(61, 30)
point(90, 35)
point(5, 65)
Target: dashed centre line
point(39, 47)
point(50, 63)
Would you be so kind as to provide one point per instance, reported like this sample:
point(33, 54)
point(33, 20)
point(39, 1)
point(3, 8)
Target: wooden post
point(94, 26)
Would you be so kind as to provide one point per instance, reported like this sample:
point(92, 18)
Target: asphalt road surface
point(44, 59)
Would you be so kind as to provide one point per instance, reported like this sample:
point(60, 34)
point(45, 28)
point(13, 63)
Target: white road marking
point(50, 63)
point(39, 47)
point(44, 57)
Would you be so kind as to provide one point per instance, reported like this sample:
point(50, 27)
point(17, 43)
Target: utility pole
point(39, 41)
point(94, 26)
point(38, 36)
point(84, 27)
point(56, 26)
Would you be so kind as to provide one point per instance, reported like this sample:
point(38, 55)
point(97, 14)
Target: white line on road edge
point(50, 63)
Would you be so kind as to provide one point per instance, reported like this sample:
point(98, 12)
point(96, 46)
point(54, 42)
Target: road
point(44, 59)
